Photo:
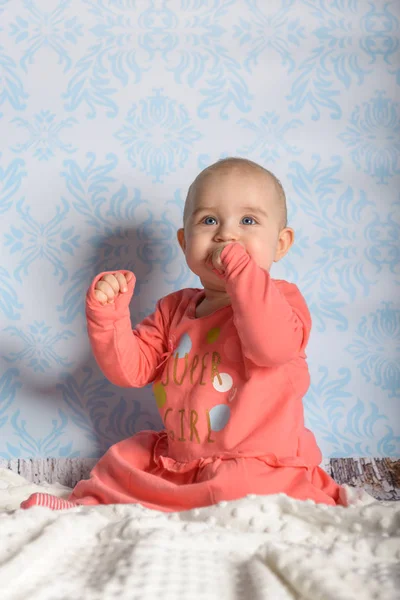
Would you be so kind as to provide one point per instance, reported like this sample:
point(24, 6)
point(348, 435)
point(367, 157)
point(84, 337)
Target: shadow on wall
point(102, 412)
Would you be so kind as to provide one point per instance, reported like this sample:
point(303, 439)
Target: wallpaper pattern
point(109, 109)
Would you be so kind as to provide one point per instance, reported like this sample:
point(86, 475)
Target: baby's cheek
point(195, 263)
point(264, 258)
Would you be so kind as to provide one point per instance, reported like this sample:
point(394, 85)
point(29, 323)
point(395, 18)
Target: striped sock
point(47, 500)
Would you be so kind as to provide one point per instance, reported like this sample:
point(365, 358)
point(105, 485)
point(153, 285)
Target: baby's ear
point(285, 242)
point(180, 234)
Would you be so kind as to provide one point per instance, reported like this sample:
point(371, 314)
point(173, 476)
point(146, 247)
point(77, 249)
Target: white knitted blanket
point(258, 548)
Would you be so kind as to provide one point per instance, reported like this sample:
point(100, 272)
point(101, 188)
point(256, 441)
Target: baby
point(227, 362)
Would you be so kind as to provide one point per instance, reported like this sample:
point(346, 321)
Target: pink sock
point(47, 500)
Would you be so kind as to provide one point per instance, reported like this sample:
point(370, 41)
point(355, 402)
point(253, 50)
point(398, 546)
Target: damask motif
point(100, 411)
point(382, 27)
point(38, 347)
point(158, 135)
point(188, 42)
point(9, 304)
point(133, 99)
point(267, 29)
point(377, 348)
point(110, 243)
point(270, 140)
point(46, 29)
point(346, 426)
point(44, 135)
point(30, 446)
point(336, 62)
point(383, 236)
point(9, 384)
point(374, 137)
point(341, 245)
point(111, 236)
point(44, 241)
point(157, 247)
point(10, 182)
point(11, 87)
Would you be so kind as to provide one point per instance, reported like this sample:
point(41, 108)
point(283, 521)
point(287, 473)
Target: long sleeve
point(127, 357)
point(271, 317)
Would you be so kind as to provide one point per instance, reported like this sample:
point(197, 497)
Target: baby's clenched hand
point(111, 285)
point(214, 259)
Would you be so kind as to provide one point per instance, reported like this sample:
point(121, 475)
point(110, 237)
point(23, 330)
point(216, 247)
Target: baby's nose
point(227, 234)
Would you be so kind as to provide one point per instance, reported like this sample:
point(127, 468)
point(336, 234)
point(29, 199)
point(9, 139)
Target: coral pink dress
point(229, 387)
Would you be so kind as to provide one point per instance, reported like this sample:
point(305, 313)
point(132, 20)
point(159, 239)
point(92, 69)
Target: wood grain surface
point(380, 477)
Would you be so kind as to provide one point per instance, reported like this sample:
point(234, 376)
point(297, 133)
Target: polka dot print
point(219, 416)
point(159, 394)
point(213, 335)
point(225, 386)
point(184, 347)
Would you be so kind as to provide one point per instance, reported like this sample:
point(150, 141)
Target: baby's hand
point(110, 286)
point(214, 259)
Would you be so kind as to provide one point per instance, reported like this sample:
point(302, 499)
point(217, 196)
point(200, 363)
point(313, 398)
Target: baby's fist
point(214, 259)
point(111, 285)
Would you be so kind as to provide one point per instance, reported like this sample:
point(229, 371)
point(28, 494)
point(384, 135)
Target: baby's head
point(234, 200)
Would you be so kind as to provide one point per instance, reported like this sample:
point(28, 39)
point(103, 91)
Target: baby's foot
point(48, 501)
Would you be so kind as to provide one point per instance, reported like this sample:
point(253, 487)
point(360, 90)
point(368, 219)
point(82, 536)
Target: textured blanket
point(258, 548)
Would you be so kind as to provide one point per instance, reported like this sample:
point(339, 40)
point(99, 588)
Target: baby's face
point(234, 206)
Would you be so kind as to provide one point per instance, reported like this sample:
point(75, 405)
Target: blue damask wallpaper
point(109, 109)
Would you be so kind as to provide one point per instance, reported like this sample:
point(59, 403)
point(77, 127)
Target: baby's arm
point(127, 357)
point(272, 319)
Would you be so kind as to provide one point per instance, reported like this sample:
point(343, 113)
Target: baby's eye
point(246, 220)
point(207, 220)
